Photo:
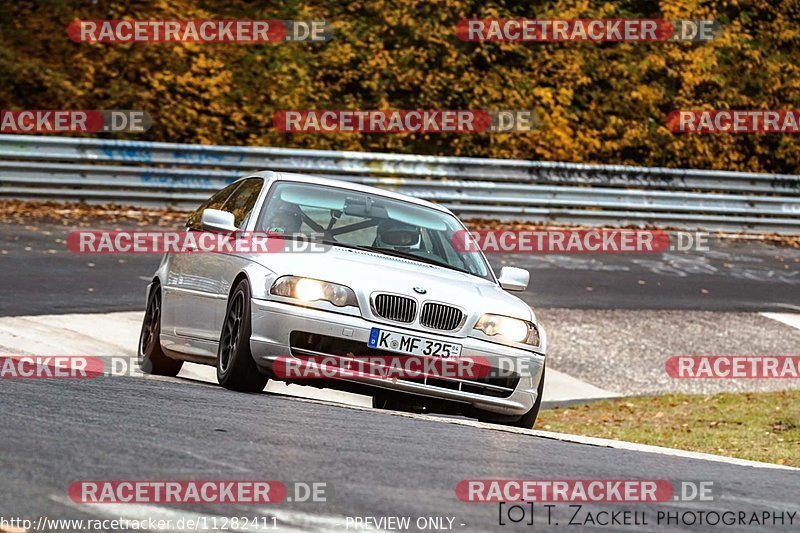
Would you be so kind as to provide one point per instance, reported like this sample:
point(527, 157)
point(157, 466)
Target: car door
point(227, 265)
point(190, 286)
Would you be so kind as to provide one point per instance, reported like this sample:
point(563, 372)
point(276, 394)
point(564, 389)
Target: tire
point(236, 368)
point(152, 359)
point(525, 421)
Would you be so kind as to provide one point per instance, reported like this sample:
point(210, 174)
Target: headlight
point(312, 290)
point(512, 329)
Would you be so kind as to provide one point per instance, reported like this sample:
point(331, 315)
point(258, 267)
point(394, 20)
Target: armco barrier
point(182, 175)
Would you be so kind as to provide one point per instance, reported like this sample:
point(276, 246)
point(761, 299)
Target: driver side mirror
point(514, 279)
point(218, 221)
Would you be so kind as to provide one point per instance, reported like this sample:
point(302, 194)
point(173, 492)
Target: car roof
point(305, 178)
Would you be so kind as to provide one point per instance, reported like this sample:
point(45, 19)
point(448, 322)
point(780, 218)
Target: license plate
point(411, 344)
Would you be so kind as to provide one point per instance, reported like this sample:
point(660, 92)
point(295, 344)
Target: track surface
point(378, 463)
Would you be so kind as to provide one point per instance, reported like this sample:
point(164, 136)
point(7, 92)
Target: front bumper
point(273, 323)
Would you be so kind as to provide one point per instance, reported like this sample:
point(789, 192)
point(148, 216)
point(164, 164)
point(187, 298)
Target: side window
point(241, 202)
point(215, 202)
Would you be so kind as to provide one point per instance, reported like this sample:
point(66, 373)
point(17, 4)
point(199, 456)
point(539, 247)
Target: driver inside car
point(395, 235)
point(287, 220)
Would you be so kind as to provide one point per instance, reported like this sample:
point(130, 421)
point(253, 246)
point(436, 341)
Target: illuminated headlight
point(511, 329)
point(313, 290)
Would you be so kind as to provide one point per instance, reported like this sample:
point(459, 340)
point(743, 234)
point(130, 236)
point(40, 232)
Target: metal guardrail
point(166, 174)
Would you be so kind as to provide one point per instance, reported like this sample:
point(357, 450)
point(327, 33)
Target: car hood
point(367, 272)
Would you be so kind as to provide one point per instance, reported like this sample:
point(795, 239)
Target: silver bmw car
point(383, 279)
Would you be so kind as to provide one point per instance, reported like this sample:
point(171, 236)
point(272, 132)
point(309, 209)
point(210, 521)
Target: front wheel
point(236, 368)
point(525, 421)
point(152, 359)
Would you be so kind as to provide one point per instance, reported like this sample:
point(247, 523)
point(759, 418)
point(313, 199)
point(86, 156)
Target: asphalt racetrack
point(375, 463)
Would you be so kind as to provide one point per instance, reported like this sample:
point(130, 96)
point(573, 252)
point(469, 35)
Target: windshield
point(368, 221)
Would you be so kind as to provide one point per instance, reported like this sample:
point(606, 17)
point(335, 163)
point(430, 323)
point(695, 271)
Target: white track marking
point(74, 334)
point(790, 319)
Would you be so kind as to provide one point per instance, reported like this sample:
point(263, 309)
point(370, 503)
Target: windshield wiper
point(421, 259)
point(397, 253)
